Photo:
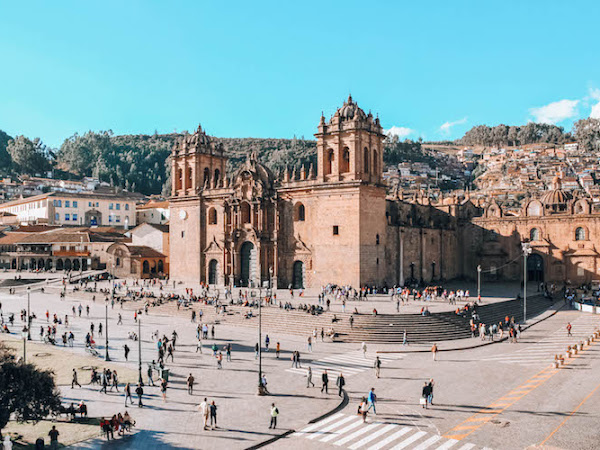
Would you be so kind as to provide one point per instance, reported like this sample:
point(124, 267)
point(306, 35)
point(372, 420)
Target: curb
point(484, 344)
point(340, 406)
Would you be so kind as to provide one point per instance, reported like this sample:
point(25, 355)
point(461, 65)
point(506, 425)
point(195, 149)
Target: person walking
point(228, 351)
point(430, 396)
point(150, 380)
point(434, 350)
point(120, 321)
point(404, 340)
point(569, 328)
point(115, 381)
point(204, 410)
point(126, 350)
point(190, 384)
point(309, 375)
point(372, 399)
point(267, 341)
point(127, 391)
point(351, 320)
point(310, 344)
point(325, 380)
point(340, 383)
point(163, 389)
point(53, 433)
point(213, 414)
point(364, 349)
point(104, 382)
point(140, 392)
point(219, 360)
point(74, 380)
point(274, 414)
point(199, 346)
point(377, 366)
point(425, 394)
point(277, 350)
point(256, 351)
point(363, 409)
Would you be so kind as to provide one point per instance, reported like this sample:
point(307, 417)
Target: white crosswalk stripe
point(543, 351)
point(347, 363)
point(349, 431)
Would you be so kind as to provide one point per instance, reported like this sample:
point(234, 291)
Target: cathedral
point(337, 223)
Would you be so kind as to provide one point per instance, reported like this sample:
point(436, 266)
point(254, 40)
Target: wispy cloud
point(447, 126)
point(555, 112)
point(401, 132)
point(595, 96)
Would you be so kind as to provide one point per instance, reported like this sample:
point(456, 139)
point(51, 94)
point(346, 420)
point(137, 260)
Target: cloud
point(401, 132)
point(595, 95)
point(446, 126)
point(555, 112)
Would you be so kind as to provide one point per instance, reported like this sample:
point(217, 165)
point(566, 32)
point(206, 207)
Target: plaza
point(499, 396)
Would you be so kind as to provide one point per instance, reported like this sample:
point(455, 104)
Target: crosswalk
point(347, 363)
point(347, 431)
point(543, 351)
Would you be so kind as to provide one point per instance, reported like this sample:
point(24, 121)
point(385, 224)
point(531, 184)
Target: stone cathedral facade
point(335, 223)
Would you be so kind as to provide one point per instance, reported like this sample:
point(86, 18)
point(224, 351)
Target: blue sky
point(268, 69)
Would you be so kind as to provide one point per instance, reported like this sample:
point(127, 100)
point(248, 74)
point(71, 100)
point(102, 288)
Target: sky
point(430, 69)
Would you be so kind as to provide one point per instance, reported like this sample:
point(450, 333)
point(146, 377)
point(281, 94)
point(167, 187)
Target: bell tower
point(197, 163)
point(350, 146)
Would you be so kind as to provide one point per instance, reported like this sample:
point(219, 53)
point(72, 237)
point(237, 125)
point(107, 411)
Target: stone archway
point(298, 275)
point(213, 271)
point(247, 263)
point(535, 268)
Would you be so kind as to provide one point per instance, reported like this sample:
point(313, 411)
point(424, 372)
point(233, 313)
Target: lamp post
point(140, 381)
point(24, 335)
point(526, 252)
point(28, 314)
point(479, 283)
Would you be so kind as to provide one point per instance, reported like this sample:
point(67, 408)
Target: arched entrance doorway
point(247, 261)
point(68, 265)
point(535, 268)
point(298, 275)
point(213, 271)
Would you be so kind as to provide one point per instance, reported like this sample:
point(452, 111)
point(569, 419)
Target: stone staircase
point(383, 328)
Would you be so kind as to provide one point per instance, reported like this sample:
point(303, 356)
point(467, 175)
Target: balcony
point(72, 253)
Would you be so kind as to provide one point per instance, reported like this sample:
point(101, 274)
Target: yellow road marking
point(484, 415)
point(572, 412)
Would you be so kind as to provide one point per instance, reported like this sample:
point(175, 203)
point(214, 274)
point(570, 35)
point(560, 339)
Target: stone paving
point(466, 382)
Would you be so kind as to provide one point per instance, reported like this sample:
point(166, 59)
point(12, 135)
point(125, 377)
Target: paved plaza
point(501, 396)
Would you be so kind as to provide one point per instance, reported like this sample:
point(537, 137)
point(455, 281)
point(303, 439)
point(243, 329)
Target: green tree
point(5, 161)
point(587, 133)
point(26, 392)
point(29, 156)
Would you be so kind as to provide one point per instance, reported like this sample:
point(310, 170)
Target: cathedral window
point(345, 163)
point(206, 177)
point(534, 234)
point(212, 216)
point(245, 208)
point(336, 230)
point(217, 177)
point(375, 165)
point(300, 212)
point(376, 239)
point(329, 162)
point(580, 234)
point(366, 160)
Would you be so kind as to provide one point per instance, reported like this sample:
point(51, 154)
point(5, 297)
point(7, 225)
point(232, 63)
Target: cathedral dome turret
point(351, 111)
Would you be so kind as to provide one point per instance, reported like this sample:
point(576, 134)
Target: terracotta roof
point(144, 251)
point(11, 238)
point(161, 227)
point(154, 204)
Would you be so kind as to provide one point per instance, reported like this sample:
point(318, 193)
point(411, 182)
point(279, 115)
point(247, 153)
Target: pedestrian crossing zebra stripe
point(347, 363)
point(349, 431)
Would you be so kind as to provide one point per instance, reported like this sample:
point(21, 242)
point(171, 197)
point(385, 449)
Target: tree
point(587, 133)
point(27, 392)
point(81, 154)
point(29, 156)
point(5, 161)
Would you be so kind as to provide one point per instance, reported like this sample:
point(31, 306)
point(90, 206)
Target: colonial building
point(337, 223)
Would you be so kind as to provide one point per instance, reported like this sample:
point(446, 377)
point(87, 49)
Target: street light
point(479, 283)
point(140, 381)
point(28, 314)
point(261, 389)
point(24, 334)
point(526, 252)
point(106, 357)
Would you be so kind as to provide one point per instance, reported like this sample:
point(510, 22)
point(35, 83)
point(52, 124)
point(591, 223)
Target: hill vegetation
point(139, 162)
